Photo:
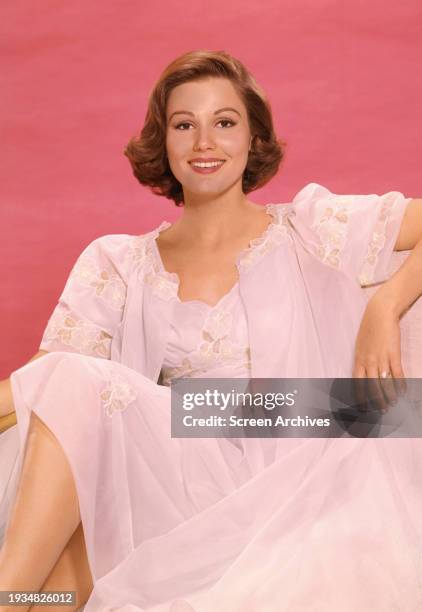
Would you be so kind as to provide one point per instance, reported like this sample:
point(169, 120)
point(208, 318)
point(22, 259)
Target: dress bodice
point(208, 341)
point(211, 341)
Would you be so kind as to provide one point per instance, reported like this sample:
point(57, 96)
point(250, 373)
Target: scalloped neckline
point(173, 277)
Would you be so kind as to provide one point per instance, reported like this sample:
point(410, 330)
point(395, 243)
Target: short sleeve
point(353, 233)
point(92, 302)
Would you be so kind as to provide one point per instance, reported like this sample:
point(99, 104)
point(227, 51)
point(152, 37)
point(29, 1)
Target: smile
point(206, 167)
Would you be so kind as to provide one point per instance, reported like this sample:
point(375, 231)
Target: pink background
point(344, 80)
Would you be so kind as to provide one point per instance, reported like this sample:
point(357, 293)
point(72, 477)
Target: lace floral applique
point(164, 284)
point(69, 330)
point(274, 235)
point(332, 229)
point(376, 244)
point(214, 349)
point(104, 280)
point(117, 395)
point(138, 250)
point(215, 334)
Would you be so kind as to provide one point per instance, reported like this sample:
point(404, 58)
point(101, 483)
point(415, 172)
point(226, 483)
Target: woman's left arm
point(378, 349)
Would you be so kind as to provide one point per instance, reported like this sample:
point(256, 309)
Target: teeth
point(207, 164)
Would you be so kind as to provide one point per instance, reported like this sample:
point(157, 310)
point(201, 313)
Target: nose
point(203, 139)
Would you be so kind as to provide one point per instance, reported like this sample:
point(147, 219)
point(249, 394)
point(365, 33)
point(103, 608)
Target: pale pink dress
point(228, 525)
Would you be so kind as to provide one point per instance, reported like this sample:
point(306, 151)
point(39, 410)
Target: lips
point(205, 159)
point(212, 166)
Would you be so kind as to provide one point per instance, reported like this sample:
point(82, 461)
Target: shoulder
point(317, 198)
point(108, 250)
point(116, 254)
point(353, 232)
point(279, 211)
point(318, 209)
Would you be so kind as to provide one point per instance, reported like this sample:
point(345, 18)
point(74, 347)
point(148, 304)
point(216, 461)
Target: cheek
point(177, 148)
point(236, 144)
point(170, 146)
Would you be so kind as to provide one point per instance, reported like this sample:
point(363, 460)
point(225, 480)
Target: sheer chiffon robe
point(236, 525)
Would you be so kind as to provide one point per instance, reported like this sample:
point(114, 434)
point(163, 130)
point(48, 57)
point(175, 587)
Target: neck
point(213, 220)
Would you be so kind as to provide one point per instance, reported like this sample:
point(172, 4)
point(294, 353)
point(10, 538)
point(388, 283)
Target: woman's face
point(207, 120)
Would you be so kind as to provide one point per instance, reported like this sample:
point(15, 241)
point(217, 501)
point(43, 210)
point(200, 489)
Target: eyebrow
point(220, 110)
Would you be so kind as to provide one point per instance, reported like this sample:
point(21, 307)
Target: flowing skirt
point(219, 524)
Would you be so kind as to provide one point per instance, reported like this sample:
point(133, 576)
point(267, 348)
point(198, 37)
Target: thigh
point(71, 573)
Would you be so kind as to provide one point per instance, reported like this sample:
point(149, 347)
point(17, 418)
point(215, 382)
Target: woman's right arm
point(90, 307)
point(6, 397)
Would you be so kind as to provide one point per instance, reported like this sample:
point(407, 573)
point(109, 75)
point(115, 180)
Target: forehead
point(204, 95)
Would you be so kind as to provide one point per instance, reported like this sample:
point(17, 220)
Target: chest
point(205, 276)
point(284, 291)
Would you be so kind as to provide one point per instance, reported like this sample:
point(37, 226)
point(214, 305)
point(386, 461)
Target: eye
point(179, 124)
point(186, 123)
point(227, 121)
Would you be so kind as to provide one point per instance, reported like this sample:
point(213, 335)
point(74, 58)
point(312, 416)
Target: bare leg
point(44, 516)
point(71, 573)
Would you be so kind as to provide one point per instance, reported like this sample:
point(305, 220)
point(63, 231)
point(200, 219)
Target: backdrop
point(344, 80)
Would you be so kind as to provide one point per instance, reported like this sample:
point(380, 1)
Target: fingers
point(367, 387)
point(375, 390)
point(359, 387)
point(387, 385)
point(398, 374)
point(378, 384)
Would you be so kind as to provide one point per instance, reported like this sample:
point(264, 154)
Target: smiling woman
point(228, 140)
point(184, 105)
point(231, 290)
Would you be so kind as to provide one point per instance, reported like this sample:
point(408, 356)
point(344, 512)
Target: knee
point(73, 367)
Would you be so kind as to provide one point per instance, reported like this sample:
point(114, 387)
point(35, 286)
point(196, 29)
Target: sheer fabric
point(250, 525)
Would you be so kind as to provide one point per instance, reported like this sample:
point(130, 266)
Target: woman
point(138, 520)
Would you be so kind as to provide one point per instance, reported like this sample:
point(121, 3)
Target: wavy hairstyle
point(147, 151)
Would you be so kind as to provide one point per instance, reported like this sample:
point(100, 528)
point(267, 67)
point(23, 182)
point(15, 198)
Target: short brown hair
point(147, 151)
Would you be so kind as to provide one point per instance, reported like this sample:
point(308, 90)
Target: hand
point(378, 353)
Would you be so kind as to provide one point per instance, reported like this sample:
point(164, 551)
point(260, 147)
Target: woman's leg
point(71, 573)
point(44, 516)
